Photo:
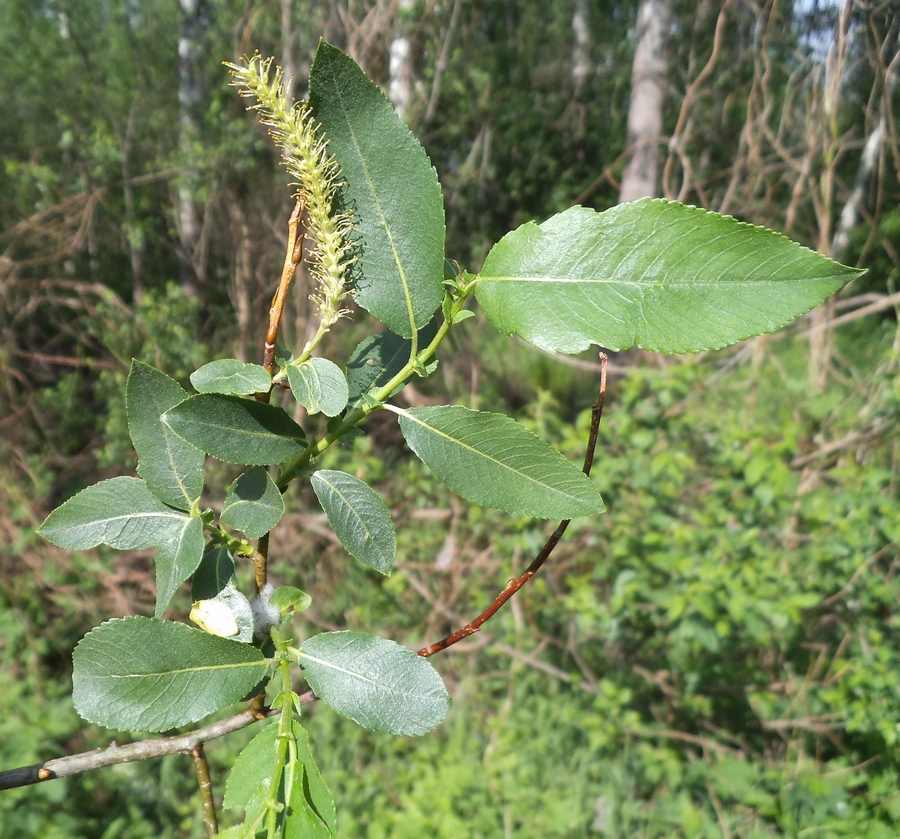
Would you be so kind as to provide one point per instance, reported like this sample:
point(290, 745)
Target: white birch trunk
point(648, 89)
point(190, 99)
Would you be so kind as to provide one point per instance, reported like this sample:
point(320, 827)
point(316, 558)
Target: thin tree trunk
point(581, 57)
point(400, 87)
point(648, 89)
point(190, 99)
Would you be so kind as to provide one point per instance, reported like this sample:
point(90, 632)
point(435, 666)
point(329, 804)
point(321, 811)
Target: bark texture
point(648, 89)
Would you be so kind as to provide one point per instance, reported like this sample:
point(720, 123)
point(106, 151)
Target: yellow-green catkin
point(315, 175)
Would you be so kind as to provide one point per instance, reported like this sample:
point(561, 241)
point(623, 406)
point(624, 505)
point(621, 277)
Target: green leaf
point(313, 813)
point(310, 807)
point(661, 275)
point(375, 682)
point(228, 375)
point(120, 512)
point(251, 771)
point(253, 504)
point(237, 430)
point(378, 358)
point(288, 599)
point(172, 467)
point(319, 385)
point(492, 460)
point(215, 572)
point(359, 518)
point(392, 188)
point(143, 674)
point(177, 557)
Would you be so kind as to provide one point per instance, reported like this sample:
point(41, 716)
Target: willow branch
point(62, 767)
point(192, 741)
point(292, 259)
point(201, 767)
point(515, 584)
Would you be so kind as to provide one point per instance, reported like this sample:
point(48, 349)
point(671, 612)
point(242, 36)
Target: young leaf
point(661, 275)
point(375, 682)
point(319, 385)
point(143, 674)
point(120, 512)
point(314, 815)
point(236, 430)
point(359, 518)
point(311, 812)
point(393, 191)
point(492, 460)
point(172, 467)
point(288, 599)
point(378, 358)
point(177, 557)
point(228, 375)
point(253, 504)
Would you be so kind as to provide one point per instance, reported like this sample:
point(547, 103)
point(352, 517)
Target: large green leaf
point(311, 811)
point(492, 460)
point(375, 682)
point(319, 385)
point(177, 557)
point(228, 375)
point(172, 467)
point(143, 674)
point(253, 504)
point(392, 189)
point(359, 518)
point(237, 430)
point(120, 512)
point(661, 275)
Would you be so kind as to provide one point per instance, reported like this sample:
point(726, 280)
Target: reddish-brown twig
point(291, 260)
point(514, 585)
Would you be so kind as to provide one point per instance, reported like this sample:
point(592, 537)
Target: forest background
point(718, 654)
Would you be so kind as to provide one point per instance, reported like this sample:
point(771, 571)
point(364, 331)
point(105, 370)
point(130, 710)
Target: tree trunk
point(648, 88)
point(400, 87)
point(190, 101)
point(581, 34)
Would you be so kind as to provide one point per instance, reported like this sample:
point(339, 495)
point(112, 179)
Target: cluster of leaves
point(659, 275)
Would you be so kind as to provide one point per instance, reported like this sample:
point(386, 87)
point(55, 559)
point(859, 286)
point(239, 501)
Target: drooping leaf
point(319, 385)
point(228, 375)
point(392, 189)
point(237, 430)
point(143, 674)
point(120, 512)
point(653, 273)
point(375, 682)
point(492, 460)
point(172, 467)
point(253, 504)
point(177, 557)
point(378, 358)
point(359, 518)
